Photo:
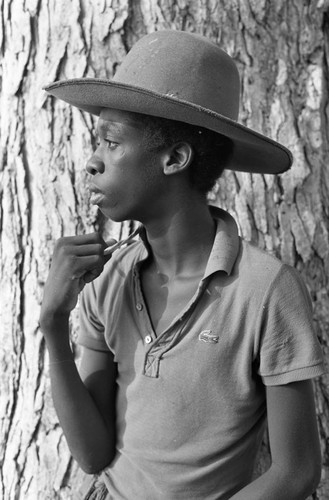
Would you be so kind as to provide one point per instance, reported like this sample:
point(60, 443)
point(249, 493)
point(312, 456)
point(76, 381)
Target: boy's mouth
point(96, 196)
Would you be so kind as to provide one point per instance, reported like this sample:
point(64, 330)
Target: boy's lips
point(96, 195)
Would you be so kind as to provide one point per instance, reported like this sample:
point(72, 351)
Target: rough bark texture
point(282, 49)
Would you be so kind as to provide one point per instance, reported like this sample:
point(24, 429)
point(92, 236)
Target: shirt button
point(139, 306)
point(148, 339)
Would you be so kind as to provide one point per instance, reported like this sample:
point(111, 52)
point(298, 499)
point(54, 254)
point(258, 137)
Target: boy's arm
point(86, 415)
point(98, 372)
point(86, 409)
point(294, 443)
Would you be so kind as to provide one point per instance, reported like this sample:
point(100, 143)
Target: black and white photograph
point(164, 250)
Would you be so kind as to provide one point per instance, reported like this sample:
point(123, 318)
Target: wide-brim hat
point(185, 77)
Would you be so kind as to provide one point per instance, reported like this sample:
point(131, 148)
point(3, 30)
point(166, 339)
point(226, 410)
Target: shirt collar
point(226, 244)
point(225, 248)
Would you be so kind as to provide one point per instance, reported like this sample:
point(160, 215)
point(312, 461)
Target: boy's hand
point(77, 260)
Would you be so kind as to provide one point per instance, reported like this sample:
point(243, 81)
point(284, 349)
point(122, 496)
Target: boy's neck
point(181, 241)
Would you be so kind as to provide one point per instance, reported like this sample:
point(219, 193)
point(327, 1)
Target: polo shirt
point(191, 406)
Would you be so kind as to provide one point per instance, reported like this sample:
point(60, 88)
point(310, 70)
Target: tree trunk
point(282, 50)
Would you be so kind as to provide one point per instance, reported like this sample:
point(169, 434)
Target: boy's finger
point(77, 266)
point(85, 250)
point(80, 239)
point(91, 275)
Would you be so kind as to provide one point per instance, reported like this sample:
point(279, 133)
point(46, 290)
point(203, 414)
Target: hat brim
point(252, 152)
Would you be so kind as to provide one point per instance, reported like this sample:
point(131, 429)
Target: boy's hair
point(212, 151)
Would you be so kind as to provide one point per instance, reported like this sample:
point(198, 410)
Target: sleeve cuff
point(294, 375)
point(92, 343)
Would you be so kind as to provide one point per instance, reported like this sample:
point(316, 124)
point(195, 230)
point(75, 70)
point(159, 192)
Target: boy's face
point(127, 180)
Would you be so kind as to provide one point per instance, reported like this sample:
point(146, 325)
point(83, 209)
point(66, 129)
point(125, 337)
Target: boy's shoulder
point(258, 258)
point(262, 269)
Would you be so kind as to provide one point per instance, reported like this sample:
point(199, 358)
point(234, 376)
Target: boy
point(190, 337)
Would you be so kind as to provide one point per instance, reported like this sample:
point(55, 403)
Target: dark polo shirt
point(191, 405)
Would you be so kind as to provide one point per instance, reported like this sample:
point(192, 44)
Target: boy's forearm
point(274, 484)
point(90, 440)
point(56, 332)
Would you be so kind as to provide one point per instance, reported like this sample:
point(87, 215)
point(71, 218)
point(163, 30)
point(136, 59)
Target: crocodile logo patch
point(207, 336)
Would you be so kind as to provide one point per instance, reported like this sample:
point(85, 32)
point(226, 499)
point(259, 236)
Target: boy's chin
point(113, 215)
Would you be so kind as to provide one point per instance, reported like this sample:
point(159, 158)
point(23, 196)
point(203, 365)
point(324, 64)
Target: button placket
point(144, 322)
point(155, 346)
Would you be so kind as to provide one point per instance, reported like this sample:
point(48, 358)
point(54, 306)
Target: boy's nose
point(95, 165)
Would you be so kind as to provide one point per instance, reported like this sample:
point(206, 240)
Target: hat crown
point(185, 66)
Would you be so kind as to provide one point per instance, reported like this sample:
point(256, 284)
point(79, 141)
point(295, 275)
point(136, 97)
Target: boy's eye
point(111, 144)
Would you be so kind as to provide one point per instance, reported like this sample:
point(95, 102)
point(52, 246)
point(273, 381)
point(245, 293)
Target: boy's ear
point(177, 158)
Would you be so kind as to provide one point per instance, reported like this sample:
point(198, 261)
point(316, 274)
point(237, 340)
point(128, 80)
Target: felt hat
point(185, 77)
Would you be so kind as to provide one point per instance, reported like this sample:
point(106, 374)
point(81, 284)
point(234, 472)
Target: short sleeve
point(289, 349)
point(91, 332)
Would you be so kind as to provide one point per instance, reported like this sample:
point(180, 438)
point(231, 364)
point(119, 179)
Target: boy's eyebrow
point(104, 127)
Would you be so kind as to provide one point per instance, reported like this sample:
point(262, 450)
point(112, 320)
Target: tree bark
point(282, 50)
